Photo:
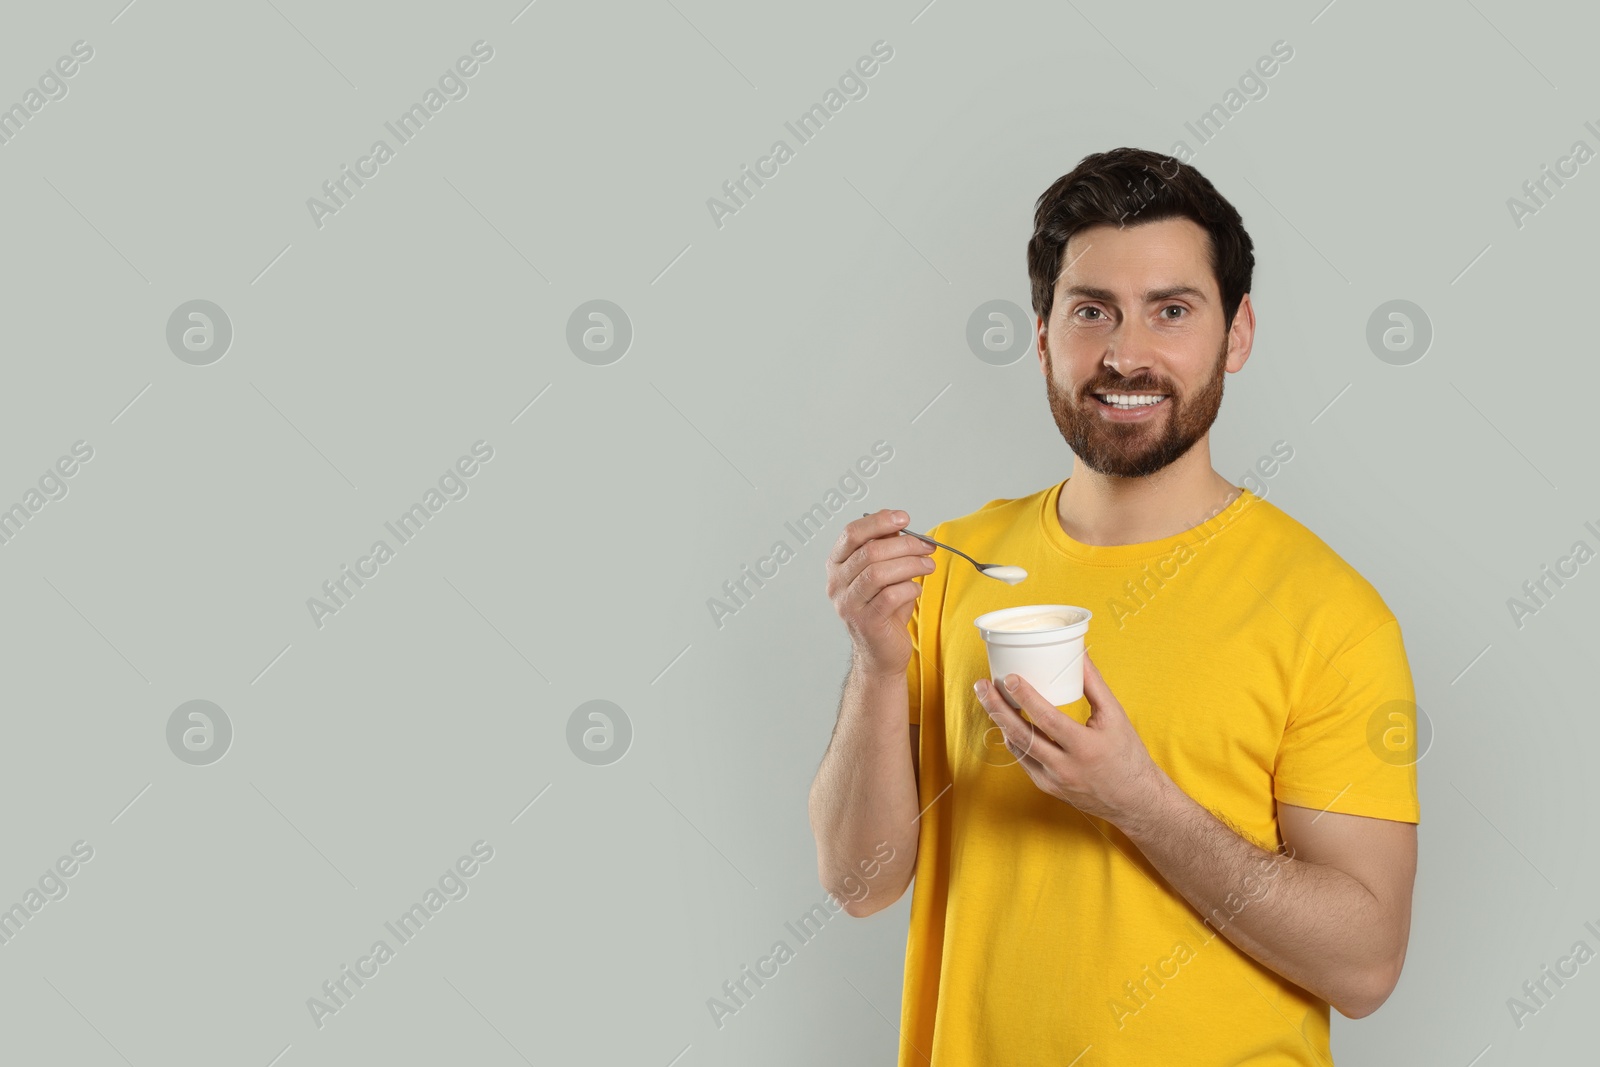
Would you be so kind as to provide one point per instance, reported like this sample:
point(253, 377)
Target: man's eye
point(1173, 307)
point(1093, 309)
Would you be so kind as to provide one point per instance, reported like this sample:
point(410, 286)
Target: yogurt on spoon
point(1009, 575)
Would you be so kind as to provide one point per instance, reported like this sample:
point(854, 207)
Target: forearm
point(1313, 924)
point(865, 793)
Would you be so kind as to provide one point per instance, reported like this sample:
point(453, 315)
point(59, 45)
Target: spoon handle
point(947, 548)
point(941, 544)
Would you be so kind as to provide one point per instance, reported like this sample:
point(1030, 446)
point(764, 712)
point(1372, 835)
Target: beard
point(1135, 449)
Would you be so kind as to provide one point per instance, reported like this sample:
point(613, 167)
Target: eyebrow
point(1151, 296)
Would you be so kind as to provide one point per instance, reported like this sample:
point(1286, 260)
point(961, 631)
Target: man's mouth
point(1130, 401)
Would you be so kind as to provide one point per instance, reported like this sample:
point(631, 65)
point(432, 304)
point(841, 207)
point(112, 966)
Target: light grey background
point(767, 356)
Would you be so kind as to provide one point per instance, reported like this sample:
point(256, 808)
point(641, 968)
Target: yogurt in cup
point(1043, 643)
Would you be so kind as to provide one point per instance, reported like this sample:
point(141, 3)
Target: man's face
point(1138, 315)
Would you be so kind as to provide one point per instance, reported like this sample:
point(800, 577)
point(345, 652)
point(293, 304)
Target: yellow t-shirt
point(1256, 666)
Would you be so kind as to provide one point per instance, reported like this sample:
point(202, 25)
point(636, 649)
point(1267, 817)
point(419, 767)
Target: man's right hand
point(870, 581)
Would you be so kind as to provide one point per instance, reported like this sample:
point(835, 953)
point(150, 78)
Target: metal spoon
point(1000, 572)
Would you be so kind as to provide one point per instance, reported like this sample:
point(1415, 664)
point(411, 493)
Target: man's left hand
point(1100, 767)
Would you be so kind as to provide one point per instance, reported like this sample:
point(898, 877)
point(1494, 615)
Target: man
point(1219, 842)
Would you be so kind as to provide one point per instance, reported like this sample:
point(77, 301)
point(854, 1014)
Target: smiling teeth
point(1127, 401)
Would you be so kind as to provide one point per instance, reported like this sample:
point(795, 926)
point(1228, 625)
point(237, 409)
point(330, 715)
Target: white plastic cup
point(1050, 659)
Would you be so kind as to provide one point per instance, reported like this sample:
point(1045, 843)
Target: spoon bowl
point(998, 571)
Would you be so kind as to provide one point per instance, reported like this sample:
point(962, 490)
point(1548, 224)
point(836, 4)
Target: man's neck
point(1098, 509)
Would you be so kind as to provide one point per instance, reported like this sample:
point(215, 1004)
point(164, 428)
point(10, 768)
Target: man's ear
point(1241, 335)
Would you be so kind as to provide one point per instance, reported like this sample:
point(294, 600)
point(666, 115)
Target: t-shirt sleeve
point(1350, 747)
point(914, 667)
point(914, 630)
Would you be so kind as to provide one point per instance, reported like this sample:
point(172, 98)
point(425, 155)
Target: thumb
point(1102, 703)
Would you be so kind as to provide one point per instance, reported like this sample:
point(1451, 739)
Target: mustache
point(1129, 386)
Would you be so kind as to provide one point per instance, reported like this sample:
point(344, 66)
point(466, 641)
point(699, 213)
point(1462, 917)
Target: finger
point(1030, 763)
point(1024, 735)
point(1102, 701)
point(877, 550)
point(891, 603)
point(1024, 756)
point(855, 534)
point(886, 589)
point(877, 577)
point(1056, 725)
point(1028, 752)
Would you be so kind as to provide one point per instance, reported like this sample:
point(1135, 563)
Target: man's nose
point(1132, 350)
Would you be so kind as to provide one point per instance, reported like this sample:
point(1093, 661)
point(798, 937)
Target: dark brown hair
point(1129, 186)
